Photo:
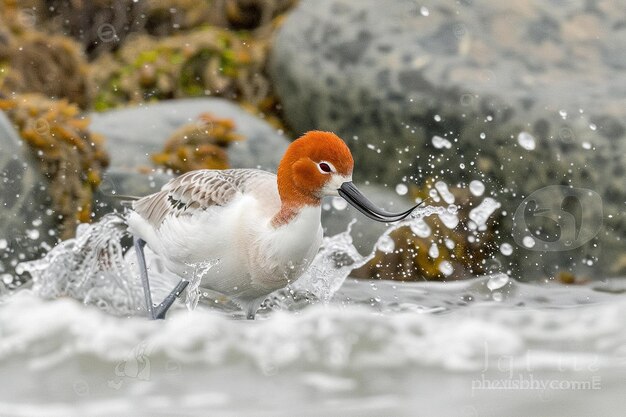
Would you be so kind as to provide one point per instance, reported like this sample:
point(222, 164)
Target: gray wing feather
point(195, 190)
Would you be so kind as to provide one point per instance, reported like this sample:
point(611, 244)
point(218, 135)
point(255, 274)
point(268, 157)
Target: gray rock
point(389, 76)
point(136, 132)
point(26, 217)
point(133, 134)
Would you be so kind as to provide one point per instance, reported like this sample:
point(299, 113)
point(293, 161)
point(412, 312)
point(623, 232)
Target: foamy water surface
point(377, 348)
point(77, 343)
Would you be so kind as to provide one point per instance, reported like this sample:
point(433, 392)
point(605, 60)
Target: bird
point(262, 229)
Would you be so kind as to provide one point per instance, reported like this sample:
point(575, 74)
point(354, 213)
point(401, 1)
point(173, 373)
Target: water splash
point(90, 268)
point(333, 263)
point(200, 270)
point(338, 257)
point(95, 268)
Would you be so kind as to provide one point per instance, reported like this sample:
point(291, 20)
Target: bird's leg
point(161, 309)
point(143, 271)
point(155, 312)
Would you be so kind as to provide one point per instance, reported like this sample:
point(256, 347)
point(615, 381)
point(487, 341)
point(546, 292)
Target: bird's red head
point(320, 164)
point(314, 166)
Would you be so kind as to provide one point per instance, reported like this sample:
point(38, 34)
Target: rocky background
point(519, 95)
point(501, 100)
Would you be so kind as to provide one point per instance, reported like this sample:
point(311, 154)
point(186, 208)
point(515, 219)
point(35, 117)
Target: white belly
point(254, 258)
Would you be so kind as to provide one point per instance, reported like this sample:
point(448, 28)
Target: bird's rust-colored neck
point(291, 207)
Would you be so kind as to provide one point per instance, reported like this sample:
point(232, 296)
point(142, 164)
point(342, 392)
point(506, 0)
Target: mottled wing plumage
point(195, 190)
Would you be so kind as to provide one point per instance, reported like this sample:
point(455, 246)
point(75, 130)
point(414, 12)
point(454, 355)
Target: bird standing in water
point(263, 229)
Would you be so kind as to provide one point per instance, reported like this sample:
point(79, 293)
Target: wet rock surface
point(526, 95)
point(134, 133)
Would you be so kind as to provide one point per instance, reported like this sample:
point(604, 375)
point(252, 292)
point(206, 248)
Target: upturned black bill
point(353, 196)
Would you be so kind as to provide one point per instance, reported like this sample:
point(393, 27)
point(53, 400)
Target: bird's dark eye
point(324, 167)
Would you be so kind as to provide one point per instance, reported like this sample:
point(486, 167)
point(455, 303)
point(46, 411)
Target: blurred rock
point(529, 93)
point(104, 25)
point(71, 158)
point(61, 70)
point(205, 61)
point(25, 222)
point(133, 134)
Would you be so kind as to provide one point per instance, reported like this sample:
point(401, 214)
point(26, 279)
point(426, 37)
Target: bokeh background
point(514, 107)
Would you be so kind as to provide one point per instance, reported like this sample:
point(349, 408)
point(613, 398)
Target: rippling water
point(377, 348)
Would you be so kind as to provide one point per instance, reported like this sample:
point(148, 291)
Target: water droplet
point(481, 213)
point(3, 244)
point(385, 244)
point(586, 145)
point(440, 143)
point(592, 126)
point(563, 114)
point(7, 278)
point(506, 249)
point(450, 220)
point(420, 228)
point(433, 252)
point(497, 296)
point(497, 281)
point(424, 11)
point(526, 141)
point(528, 241)
point(402, 189)
point(339, 203)
point(434, 195)
point(483, 135)
point(33, 234)
point(477, 188)
point(442, 188)
point(446, 268)
point(450, 244)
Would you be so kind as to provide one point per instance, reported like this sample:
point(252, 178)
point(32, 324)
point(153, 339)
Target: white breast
point(284, 253)
point(254, 257)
